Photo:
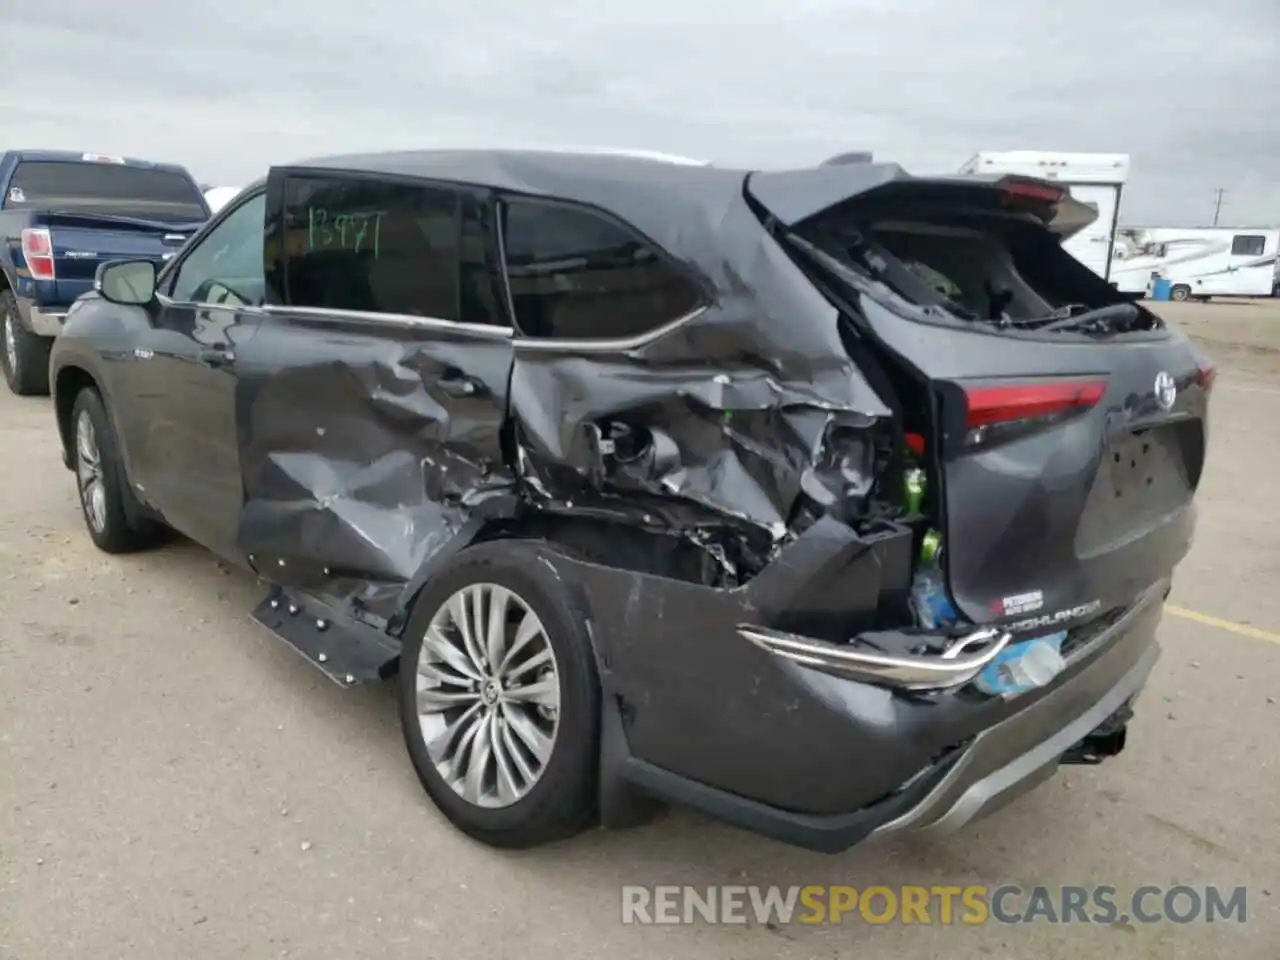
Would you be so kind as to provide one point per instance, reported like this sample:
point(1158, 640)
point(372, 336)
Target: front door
point(184, 369)
point(374, 393)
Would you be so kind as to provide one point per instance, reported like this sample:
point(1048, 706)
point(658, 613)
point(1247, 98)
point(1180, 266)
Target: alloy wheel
point(488, 695)
point(89, 473)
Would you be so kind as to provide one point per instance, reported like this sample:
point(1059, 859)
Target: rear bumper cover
point(699, 715)
point(42, 321)
point(1018, 754)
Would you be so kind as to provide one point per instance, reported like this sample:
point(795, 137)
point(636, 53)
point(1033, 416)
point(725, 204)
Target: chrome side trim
point(167, 303)
point(615, 345)
point(392, 319)
point(951, 669)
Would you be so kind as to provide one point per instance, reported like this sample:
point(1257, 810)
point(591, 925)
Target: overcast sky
point(1189, 88)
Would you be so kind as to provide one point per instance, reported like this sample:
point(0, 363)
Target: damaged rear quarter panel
point(360, 463)
point(730, 410)
point(359, 456)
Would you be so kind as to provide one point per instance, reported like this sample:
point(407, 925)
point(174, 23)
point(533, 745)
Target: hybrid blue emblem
point(1024, 666)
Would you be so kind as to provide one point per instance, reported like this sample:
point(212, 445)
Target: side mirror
point(131, 283)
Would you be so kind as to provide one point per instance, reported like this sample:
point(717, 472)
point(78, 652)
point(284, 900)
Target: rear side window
point(575, 274)
point(1248, 246)
point(103, 187)
point(389, 247)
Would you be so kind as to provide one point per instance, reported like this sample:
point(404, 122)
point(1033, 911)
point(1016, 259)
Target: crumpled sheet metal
point(355, 459)
point(739, 403)
point(741, 447)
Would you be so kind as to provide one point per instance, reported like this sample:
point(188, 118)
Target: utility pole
point(1217, 206)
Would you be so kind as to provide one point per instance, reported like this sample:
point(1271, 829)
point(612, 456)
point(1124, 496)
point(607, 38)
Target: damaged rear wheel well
point(617, 544)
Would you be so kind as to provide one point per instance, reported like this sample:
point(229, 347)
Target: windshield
point(108, 188)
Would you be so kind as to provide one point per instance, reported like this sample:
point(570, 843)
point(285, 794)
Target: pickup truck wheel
point(25, 358)
point(100, 480)
point(499, 700)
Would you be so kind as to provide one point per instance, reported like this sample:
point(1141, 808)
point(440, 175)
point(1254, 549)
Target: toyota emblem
point(1166, 390)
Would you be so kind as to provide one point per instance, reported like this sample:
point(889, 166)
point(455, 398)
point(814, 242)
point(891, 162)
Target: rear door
point(1062, 463)
point(372, 399)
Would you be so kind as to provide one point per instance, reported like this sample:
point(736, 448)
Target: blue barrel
point(1160, 288)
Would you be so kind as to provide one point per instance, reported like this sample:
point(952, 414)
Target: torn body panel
point(739, 409)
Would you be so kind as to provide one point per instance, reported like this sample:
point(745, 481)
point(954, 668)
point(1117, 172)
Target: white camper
point(1199, 262)
point(1095, 179)
point(217, 197)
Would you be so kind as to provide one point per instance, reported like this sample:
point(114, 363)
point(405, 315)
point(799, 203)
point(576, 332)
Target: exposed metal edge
point(949, 669)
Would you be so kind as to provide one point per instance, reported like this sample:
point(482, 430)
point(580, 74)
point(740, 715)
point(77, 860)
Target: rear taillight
point(1032, 190)
point(1205, 376)
point(37, 250)
point(1002, 412)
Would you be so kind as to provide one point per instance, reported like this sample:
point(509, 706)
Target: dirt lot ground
point(176, 784)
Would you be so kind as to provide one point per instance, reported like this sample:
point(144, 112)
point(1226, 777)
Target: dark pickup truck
point(61, 215)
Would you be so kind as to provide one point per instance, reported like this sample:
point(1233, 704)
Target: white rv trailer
point(1199, 262)
point(1095, 179)
point(217, 197)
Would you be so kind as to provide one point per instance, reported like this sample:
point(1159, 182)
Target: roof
point(543, 171)
point(678, 205)
point(683, 207)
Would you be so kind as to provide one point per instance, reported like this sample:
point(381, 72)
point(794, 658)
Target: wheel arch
point(69, 380)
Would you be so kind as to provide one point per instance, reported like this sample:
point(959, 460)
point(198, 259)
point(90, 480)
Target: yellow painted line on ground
point(1243, 629)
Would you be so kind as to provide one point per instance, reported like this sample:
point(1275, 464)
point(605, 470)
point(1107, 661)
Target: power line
point(1217, 206)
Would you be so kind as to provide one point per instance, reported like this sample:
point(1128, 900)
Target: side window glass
point(1248, 246)
point(576, 275)
point(395, 248)
point(226, 264)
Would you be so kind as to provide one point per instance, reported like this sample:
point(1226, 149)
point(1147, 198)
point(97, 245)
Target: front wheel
point(499, 699)
point(100, 480)
point(1180, 293)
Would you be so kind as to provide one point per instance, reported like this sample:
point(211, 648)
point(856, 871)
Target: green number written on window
point(356, 232)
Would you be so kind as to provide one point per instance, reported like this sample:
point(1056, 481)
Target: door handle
point(460, 385)
point(216, 357)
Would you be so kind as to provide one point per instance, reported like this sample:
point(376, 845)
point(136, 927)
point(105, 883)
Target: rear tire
point(490, 709)
point(25, 357)
point(1180, 293)
point(106, 501)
